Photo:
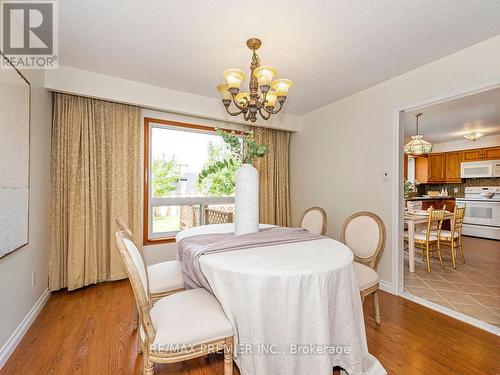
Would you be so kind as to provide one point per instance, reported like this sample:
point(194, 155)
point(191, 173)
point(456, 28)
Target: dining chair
point(178, 327)
point(429, 241)
point(165, 278)
point(364, 233)
point(314, 220)
point(453, 237)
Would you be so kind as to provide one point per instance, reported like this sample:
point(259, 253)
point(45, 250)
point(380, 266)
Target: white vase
point(246, 216)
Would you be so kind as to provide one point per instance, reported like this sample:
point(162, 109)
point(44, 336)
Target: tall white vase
point(246, 200)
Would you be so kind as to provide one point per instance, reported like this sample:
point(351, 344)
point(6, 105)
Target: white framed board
point(15, 98)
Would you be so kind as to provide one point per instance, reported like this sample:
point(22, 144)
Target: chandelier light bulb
point(281, 86)
point(234, 78)
point(271, 99)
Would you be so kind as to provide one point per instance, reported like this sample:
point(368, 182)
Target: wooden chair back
point(435, 222)
point(458, 219)
point(123, 226)
point(314, 220)
point(137, 273)
point(364, 233)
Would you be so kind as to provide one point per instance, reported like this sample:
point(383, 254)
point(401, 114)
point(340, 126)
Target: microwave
point(480, 169)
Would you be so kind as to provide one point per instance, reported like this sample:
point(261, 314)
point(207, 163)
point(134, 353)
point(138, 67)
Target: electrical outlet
point(34, 277)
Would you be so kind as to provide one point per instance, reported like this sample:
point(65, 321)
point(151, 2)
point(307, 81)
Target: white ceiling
point(453, 119)
point(329, 48)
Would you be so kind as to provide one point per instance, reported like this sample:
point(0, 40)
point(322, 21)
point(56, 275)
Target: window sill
point(158, 241)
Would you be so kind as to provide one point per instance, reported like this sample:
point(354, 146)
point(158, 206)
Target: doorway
point(469, 291)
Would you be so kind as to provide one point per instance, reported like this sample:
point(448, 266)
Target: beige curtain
point(95, 177)
point(274, 189)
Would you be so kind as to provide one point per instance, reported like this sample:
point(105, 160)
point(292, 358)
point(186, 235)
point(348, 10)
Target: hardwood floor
point(90, 332)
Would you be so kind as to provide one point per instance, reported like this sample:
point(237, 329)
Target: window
point(411, 169)
point(175, 197)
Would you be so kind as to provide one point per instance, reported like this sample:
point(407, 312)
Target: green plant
point(165, 175)
point(409, 187)
point(242, 149)
point(221, 178)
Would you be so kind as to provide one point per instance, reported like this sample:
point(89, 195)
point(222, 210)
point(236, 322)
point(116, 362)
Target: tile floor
point(472, 288)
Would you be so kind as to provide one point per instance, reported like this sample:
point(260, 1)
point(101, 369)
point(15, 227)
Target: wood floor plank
point(90, 332)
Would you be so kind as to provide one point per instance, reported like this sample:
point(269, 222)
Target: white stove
point(482, 214)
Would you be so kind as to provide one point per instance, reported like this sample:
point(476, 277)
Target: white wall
point(339, 156)
point(80, 82)
point(465, 144)
point(16, 293)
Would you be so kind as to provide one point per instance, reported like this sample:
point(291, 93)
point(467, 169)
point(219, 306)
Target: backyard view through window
point(179, 197)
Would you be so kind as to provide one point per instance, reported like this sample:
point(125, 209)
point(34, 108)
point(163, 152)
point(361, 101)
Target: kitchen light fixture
point(264, 92)
point(474, 135)
point(418, 145)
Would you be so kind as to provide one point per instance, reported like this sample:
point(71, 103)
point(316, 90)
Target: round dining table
point(295, 308)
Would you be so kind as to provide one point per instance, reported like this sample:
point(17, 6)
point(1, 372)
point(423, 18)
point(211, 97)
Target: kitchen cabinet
point(478, 154)
point(491, 153)
point(421, 169)
point(452, 167)
point(472, 155)
point(436, 167)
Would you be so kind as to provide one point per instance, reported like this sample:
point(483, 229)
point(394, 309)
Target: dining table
point(412, 220)
point(295, 308)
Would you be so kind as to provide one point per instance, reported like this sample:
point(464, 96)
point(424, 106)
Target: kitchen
point(452, 207)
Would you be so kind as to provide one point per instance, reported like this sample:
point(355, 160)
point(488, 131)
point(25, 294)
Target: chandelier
point(266, 97)
point(418, 145)
point(474, 135)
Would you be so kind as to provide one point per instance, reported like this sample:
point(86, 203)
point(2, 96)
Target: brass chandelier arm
point(234, 113)
point(274, 111)
point(263, 114)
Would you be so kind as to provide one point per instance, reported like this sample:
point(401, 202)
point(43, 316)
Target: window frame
point(149, 202)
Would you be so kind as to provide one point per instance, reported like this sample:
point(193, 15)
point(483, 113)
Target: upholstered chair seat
point(422, 236)
point(367, 277)
point(176, 322)
point(164, 278)
point(445, 234)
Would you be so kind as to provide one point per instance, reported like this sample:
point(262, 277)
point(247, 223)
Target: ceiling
point(330, 49)
point(453, 119)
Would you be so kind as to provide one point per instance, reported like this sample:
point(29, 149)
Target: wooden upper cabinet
point(421, 169)
point(437, 167)
point(452, 166)
point(472, 155)
point(491, 153)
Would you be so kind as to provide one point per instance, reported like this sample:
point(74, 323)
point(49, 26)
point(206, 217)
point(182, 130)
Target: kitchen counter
point(429, 198)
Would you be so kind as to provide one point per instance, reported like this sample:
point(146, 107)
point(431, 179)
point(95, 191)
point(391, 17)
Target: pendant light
point(418, 145)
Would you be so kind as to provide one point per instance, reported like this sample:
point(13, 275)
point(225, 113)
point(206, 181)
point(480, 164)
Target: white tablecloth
point(291, 306)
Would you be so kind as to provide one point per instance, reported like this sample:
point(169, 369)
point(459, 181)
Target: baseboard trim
point(8, 348)
point(386, 287)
